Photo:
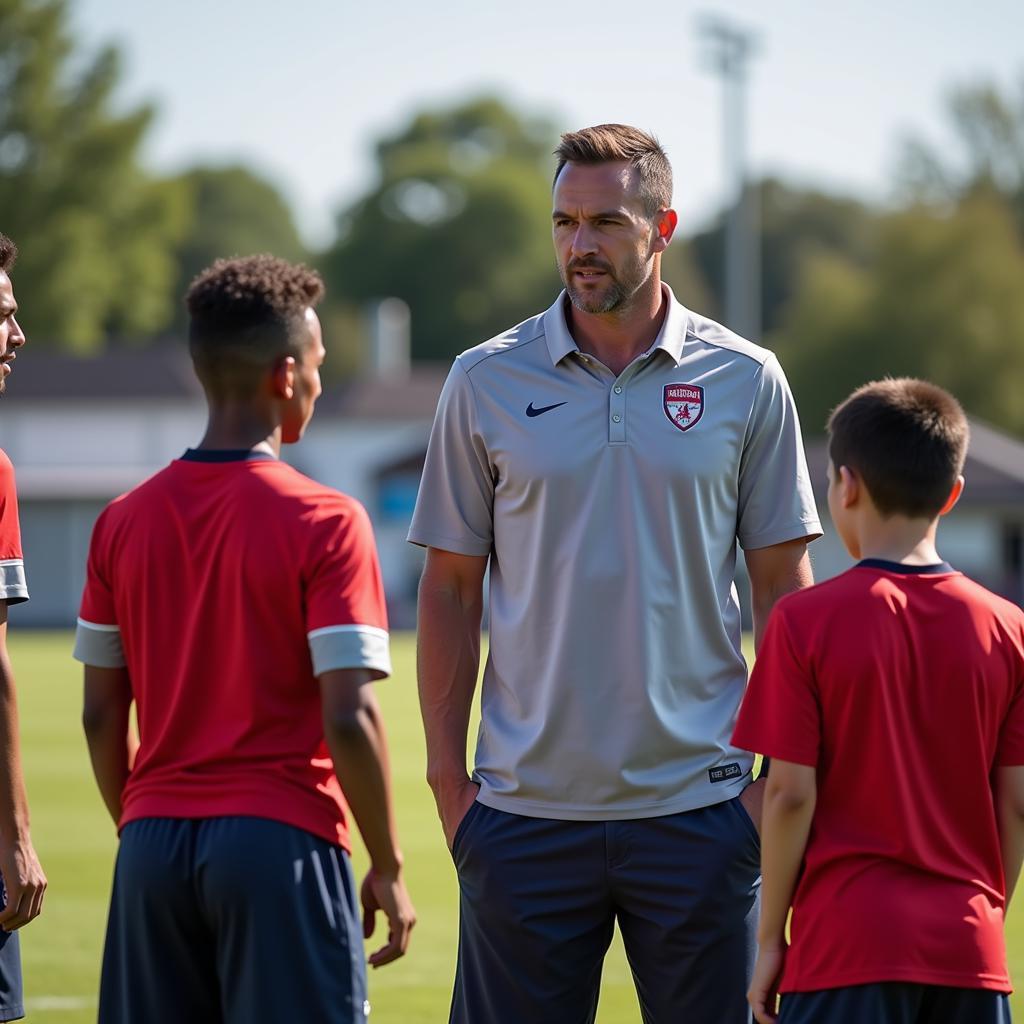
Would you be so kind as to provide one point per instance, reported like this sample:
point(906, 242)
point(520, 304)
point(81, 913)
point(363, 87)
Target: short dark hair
point(246, 312)
point(606, 143)
point(906, 439)
point(8, 253)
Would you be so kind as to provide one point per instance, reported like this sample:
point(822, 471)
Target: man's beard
point(613, 296)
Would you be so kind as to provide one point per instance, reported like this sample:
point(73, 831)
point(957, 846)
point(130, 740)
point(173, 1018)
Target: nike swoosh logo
point(531, 411)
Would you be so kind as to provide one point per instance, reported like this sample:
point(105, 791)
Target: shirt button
point(617, 390)
point(616, 418)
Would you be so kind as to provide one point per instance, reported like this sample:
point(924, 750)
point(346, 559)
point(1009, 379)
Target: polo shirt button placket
point(617, 426)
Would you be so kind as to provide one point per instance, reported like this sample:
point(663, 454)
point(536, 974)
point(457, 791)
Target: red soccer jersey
point(12, 568)
point(231, 585)
point(904, 689)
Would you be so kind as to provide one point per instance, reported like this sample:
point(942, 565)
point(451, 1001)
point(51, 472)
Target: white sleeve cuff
point(354, 646)
point(98, 645)
point(13, 588)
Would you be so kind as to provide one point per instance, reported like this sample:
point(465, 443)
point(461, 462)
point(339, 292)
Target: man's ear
point(849, 486)
point(954, 496)
point(282, 377)
point(664, 226)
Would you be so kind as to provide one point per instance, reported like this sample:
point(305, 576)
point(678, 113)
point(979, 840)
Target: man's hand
point(25, 884)
point(453, 806)
point(386, 892)
point(752, 799)
point(763, 994)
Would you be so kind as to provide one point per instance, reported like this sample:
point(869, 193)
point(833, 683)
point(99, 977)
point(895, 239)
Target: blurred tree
point(231, 212)
point(96, 233)
point(941, 299)
point(796, 224)
point(986, 153)
point(459, 226)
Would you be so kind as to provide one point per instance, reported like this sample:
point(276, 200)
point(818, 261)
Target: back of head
point(244, 315)
point(8, 254)
point(906, 439)
point(611, 143)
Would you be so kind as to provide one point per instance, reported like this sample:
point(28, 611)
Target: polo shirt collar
point(670, 338)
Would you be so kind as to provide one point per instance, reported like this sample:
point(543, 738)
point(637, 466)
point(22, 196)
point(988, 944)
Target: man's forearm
point(1009, 804)
point(448, 663)
point(774, 572)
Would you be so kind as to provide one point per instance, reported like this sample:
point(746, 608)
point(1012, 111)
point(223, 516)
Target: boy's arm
point(789, 800)
point(106, 706)
point(22, 874)
point(1008, 790)
point(354, 730)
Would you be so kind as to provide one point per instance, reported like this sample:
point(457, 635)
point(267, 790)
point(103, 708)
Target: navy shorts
point(540, 899)
point(896, 1002)
point(12, 1002)
point(231, 920)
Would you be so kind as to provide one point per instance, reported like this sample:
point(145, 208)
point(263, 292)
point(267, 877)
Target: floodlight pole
point(729, 49)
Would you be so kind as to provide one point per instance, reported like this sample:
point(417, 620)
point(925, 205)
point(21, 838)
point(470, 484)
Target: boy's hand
point(386, 892)
point(763, 994)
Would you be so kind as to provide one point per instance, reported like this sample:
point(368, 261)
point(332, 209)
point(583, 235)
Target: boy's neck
point(899, 539)
point(239, 426)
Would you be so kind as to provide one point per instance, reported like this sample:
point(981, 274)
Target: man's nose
point(584, 241)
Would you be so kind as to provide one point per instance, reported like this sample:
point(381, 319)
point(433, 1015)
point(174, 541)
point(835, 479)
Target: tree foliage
point(96, 232)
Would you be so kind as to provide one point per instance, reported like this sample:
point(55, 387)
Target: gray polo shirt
point(610, 508)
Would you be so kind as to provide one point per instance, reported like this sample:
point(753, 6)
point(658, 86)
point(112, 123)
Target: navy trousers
point(540, 899)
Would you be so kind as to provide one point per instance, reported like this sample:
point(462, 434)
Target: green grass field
point(76, 843)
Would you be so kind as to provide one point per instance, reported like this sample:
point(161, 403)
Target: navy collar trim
point(226, 455)
point(904, 570)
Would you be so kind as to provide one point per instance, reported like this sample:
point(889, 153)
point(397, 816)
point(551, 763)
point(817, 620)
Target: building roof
point(165, 373)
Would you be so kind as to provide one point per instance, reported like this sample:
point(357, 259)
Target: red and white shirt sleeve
point(13, 588)
point(346, 615)
point(98, 635)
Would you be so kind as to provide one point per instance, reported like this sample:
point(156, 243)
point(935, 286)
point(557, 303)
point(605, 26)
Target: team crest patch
point(683, 404)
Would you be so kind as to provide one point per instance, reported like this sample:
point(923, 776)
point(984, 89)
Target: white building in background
point(82, 432)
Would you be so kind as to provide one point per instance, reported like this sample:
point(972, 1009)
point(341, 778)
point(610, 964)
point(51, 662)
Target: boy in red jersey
point(891, 702)
point(240, 605)
point(23, 879)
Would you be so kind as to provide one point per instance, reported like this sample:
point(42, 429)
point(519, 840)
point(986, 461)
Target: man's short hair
point(8, 253)
point(906, 439)
point(245, 313)
point(608, 143)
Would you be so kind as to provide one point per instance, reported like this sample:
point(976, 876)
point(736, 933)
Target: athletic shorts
point(896, 1002)
point(231, 920)
point(12, 1001)
point(539, 900)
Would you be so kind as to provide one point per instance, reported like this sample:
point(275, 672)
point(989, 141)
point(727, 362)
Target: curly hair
point(606, 143)
point(246, 312)
point(8, 253)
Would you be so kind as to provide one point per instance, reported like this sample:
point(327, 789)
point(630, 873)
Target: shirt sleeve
point(346, 614)
point(780, 716)
point(776, 502)
point(13, 586)
point(455, 505)
point(98, 634)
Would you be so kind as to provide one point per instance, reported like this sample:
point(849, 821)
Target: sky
point(301, 90)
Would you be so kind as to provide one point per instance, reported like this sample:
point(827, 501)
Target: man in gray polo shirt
point(603, 459)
